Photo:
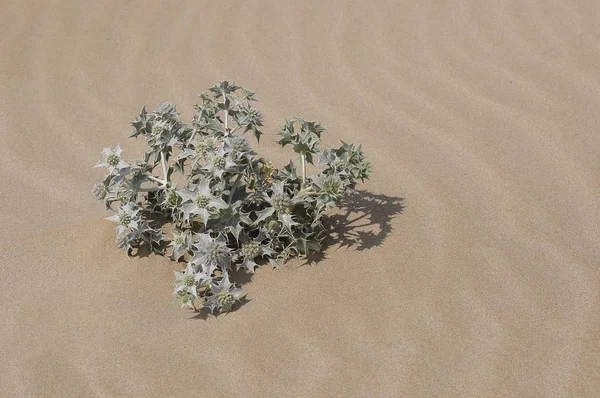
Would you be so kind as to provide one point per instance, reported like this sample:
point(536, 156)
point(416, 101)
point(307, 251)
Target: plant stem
point(225, 113)
point(161, 182)
point(164, 166)
point(235, 185)
point(303, 158)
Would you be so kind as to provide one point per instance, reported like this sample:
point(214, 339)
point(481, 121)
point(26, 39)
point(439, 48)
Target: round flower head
point(187, 284)
point(339, 164)
point(111, 159)
point(280, 201)
point(204, 144)
point(238, 148)
point(218, 163)
point(210, 253)
point(127, 217)
point(181, 244)
point(250, 249)
point(248, 252)
point(272, 228)
point(157, 130)
point(223, 295)
point(256, 115)
point(333, 186)
point(161, 133)
point(99, 191)
point(171, 201)
point(200, 202)
point(185, 280)
point(250, 117)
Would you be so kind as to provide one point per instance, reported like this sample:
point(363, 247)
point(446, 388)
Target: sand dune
point(482, 116)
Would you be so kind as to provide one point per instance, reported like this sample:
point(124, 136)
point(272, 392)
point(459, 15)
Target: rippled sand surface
point(482, 116)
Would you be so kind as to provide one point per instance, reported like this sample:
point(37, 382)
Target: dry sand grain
point(483, 115)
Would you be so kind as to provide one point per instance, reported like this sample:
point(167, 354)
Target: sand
point(481, 120)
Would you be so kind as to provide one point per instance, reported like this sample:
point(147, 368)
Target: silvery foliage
point(225, 207)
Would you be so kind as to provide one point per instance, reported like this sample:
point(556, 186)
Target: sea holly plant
point(201, 195)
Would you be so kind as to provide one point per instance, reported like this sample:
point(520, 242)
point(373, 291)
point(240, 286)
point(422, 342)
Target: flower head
point(187, 284)
point(99, 191)
point(210, 253)
point(127, 217)
point(204, 144)
point(111, 159)
point(238, 147)
point(223, 295)
point(181, 244)
point(218, 163)
point(201, 202)
point(331, 187)
point(280, 200)
point(250, 249)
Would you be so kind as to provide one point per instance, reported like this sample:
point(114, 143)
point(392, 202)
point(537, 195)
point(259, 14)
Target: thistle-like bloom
point(210, 253)
point(170, 202)
point(251, 118)
point(248, 252)
point(347, 161)
point(281, 204)
point(127, 217)
point(163, 133)
point(279, 200)
point(201, 202)
point(99, 191)
point(218, 163)
point(187, 284)
point(181, 244)
point(254, 116)
point(111, 159)
point(204, 144)
point(250, 249)
point(223, 295)
point(238, 148)
point(272, 228)
point(331, 186)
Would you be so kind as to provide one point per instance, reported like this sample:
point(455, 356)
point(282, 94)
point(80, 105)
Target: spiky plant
point(226, 207)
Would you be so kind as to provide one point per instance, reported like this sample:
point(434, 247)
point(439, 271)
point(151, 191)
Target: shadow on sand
point(361, 223)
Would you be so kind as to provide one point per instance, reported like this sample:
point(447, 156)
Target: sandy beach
point(468, 266)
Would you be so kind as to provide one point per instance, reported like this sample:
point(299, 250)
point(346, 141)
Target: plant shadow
point(362, 222)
